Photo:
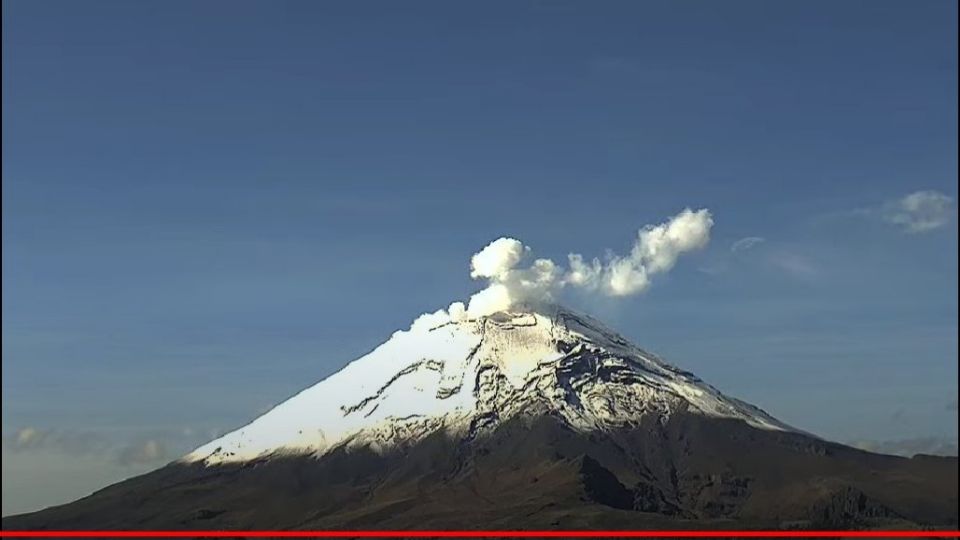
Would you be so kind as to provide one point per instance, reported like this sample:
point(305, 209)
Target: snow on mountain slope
point(466, 377)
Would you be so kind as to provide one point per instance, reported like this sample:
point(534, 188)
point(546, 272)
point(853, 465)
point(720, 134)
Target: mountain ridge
point(461, 375)
point(534, 419)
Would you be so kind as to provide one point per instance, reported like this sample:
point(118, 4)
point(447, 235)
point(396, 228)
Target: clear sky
point(208, 206)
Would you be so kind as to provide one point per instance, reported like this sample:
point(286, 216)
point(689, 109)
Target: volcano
point(529, 418)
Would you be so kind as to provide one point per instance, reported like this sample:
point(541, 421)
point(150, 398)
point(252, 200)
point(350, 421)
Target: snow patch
point(467, 376)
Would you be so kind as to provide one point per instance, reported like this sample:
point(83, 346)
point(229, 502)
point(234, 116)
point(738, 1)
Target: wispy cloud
point(714, 268)
point(67, 442)
point(147, 452)
point(746, 243)
point(794, 264)
point(153, 449)
point(42, 467)
point(779, 258)
point(937, 446)
point(919, 212)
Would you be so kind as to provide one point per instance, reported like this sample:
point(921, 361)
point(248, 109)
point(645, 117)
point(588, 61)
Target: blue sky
point(208, 206)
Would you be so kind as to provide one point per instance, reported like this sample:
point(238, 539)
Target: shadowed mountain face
point(690, 472)
point(542, 419)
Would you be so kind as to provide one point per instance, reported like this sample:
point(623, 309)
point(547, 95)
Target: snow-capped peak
point(466, 377)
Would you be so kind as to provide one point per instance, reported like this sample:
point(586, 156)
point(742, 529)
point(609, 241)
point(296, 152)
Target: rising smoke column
point(655, 251)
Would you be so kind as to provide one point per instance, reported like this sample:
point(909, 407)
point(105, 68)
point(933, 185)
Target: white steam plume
point(655, 251)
